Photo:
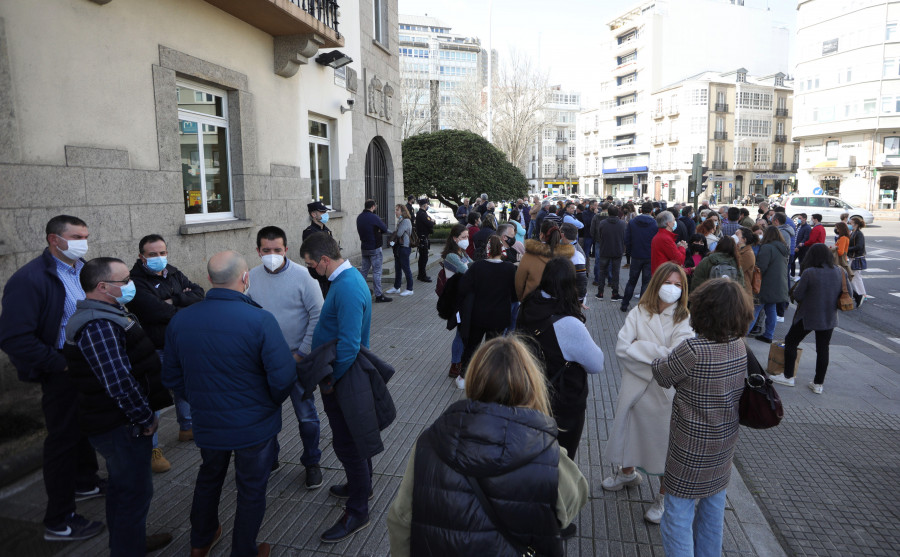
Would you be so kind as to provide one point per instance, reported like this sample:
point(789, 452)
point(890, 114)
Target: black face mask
point(510, 242)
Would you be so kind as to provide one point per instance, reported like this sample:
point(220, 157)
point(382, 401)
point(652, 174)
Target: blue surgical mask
point(157, 264)
point(128, 291)
point(702, 219)
point(674, 228)
point(324, 218)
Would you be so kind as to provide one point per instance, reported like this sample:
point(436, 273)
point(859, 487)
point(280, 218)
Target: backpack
point(413, 238)
point(726, 270)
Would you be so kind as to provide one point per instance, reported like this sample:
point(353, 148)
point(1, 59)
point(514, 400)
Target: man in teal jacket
point(346, 317)
point(228, 358)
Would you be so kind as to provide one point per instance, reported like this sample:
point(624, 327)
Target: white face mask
point(669, 293)
point(760, 236)
point(273, 261)
point(736, 238)
point(77, 249)
point(463, 244)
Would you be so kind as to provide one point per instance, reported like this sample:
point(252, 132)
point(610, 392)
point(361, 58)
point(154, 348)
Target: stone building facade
point(200, 120)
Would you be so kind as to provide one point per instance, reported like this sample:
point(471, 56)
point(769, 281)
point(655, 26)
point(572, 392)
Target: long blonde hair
point(504, 371)
point(650, 300)
point(404, 212)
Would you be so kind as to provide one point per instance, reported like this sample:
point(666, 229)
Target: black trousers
point(795, 336)
point(70, 462)
point(570, 420)
point(423, 254)
point(471, 344)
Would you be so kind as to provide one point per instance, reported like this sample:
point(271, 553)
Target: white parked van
point(829, 207)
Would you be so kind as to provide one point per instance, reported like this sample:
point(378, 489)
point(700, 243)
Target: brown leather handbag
point(845, 302)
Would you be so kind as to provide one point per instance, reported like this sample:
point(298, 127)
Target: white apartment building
point(594, 130)
point(434, 65)
point(740, 124)
point(552, 157)
point(848, 100)
point(660, 42)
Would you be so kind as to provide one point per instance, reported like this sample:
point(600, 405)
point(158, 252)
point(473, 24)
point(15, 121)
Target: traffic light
point(704, 177)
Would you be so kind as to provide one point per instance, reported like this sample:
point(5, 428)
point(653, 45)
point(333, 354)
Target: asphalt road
point(877, 322)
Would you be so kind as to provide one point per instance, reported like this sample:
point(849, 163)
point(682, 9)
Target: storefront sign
point(771, 176)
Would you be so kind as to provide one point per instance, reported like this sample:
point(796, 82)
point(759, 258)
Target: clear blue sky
point(565, 34)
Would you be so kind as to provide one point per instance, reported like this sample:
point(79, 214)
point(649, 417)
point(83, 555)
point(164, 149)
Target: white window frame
point(326, 141)
point(380, 22)
point(202, 119)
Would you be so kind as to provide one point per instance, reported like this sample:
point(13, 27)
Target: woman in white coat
point(640, 431)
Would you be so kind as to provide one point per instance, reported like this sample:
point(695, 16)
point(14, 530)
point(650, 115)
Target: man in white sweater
point(287, 291)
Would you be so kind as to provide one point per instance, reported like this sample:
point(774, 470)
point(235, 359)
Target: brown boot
point(158, 462)
point(454, 370)
point(186, 435)
point(204, 551)
point(263, 550)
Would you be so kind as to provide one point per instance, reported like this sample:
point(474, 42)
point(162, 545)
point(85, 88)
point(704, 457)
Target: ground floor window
point(203, 137)
point(830, 187)
point(320, 161)
point(887, 192)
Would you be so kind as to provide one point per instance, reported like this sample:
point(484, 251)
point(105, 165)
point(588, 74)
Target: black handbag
point(521, 549)
point(859, 263)
point(760, 406)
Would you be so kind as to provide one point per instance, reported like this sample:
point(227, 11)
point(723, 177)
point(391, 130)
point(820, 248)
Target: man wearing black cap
point(409, 204)
point(424, 227)
point(318, 216)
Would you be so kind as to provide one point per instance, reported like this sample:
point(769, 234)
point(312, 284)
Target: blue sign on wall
point(188, 127)
point(818, 191)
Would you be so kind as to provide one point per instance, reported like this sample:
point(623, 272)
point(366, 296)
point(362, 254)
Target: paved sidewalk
point(407, 333)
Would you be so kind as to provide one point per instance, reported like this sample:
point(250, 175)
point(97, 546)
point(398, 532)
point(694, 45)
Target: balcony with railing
point(779, 166)
point(562, 157)
point(673, 138)
point(780, 138)
point(627, 87)
point(721, 107)
point(658, 139)
point(720, 136)
point(781, 112)
point(288, 17)
point(562, 139)
point(718, 165)
point(673, 110)
point(658, 114)
point(795, 166)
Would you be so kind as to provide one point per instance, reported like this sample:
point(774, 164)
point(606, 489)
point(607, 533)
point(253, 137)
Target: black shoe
point(615, 297)
point(599, 295)
point(763, 339)
point(341, 492)
point(423, 279)
point(624, 308)
point(568, 532)
point(345, 527)
point(858, 299)
point(313, 476)
point(596, 283)
point(158, 541)
point(98, 490)
point(75, 527)
point(275, 466)
point(383, 298)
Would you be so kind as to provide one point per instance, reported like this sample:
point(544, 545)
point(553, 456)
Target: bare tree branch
point(415, 116)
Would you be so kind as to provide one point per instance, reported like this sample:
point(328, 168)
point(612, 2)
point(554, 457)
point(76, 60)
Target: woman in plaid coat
point(708, 375)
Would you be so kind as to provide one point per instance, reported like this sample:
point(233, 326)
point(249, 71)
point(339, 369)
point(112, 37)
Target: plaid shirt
point(103, 346)
point(708, 378)
point(70, 278)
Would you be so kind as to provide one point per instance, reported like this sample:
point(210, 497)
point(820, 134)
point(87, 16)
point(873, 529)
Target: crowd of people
point(111, 346)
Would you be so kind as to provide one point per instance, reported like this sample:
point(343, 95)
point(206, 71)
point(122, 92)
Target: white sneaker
point(619, 480)
point(655, 513)
point(815, 387)
point(460, 383)
point(779, 319)
point(392, 291)
point(782, 380)
point(407, 293)
point(796, 279)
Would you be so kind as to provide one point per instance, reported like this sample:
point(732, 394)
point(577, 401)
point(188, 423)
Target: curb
point(751, 518)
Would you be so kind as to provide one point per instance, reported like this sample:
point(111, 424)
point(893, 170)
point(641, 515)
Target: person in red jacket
point(817, 234)
point(663, 247)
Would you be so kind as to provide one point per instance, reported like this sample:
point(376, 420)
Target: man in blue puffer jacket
point(228, 358)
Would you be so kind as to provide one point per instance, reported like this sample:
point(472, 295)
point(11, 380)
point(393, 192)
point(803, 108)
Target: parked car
point(442, 215)
point(829, 207)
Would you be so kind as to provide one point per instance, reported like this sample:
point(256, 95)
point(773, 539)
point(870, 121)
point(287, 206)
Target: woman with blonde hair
point(640, 430)
point(490, 458)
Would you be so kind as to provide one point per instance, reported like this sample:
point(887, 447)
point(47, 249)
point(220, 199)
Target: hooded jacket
point(663, 248)
point(639, 235)
point(772, 261)
point(513, 454)
point(537, 254)
point(609, 237)
point(789, 235)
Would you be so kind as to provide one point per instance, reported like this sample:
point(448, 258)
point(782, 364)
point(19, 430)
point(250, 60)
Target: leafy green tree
point(454, 164)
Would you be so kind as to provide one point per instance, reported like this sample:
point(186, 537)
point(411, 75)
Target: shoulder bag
point(760, 406)
point(845, 302)
point(521, 549)
point(859, 263)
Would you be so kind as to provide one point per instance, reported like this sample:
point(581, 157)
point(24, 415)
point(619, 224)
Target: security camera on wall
point(349, 107)
point(350, 102)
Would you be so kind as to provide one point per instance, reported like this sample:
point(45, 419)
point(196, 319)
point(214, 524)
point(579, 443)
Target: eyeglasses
point(126, 281)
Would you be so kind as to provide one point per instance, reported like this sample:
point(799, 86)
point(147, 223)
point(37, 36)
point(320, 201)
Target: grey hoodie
point(789, 235)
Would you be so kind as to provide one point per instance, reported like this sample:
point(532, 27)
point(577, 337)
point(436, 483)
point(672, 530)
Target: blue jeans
point(597, 270)
point(401, 263)
point(372, 258)
point(252, 466)
point(607, 270)
point(129, 491)
point(357, 467)
point(308, 421)
point(690, 532)
point(770, 319)
point(456, 350)
point(514, 316)
point(640, 268)
point(587, 244)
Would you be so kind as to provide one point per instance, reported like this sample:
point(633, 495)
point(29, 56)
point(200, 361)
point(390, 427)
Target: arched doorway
point(377, 178)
